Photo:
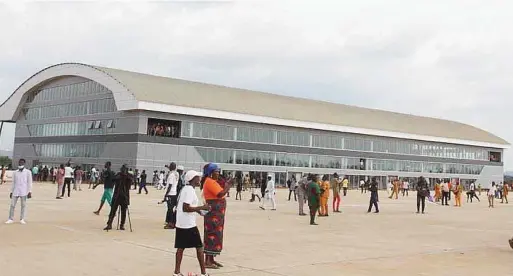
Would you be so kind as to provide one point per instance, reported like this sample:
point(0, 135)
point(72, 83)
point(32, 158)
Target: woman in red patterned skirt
point(214, 196)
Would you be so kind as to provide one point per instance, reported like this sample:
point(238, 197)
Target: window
point(166, 128)
point(495, 156)
point(256, 135)
point(212, 131)
point(110, 124)
point(97, 124)
point(67, 92)
point(293, 138)
point(327, 141)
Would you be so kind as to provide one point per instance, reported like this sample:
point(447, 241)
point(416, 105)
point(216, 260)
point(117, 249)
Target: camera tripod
point(129, 220)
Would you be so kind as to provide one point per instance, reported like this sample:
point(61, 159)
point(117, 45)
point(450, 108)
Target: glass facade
point(70, 91)
point(294, 160)
point(71, 128)
point(70, 109)
point(334, 141)
point(88, 150)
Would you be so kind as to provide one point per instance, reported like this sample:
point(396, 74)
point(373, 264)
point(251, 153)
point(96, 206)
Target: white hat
point(179, 168)
point(190, 175)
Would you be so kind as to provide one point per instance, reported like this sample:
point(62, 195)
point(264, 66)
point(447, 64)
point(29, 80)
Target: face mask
point(21, 167)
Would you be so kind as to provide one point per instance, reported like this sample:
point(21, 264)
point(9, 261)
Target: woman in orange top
point(325, 194)
point(438, 193)
point(214, 220)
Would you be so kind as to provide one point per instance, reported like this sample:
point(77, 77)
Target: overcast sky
point(436, 58)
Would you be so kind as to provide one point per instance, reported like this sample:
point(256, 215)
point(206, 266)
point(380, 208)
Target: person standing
point(79, 174)
point(345, 185)
point(171, 196)
point(138, 177)
point(68, 177)
point(21, 190)
point(2, 176)
point(187, 233)
point(445, 193)
point(422, 192)
point(301, 194)
point(335, 185)
point(92, 179)
point(214, 195)
point(458, 190)
point(438, 191)
point(505, 192)
point(406, 187)
point(314, 197)
point(491, 195)
point(270, 194)
point(108, 186)
point(121, 197)
point(142, 182)
point(292, 187)
point(479, 188)
point(395, 189)
point(35, 171)
point(238, 195)
point(325, 194)
point(373, 188)
point(362, 185)
point(60, 181)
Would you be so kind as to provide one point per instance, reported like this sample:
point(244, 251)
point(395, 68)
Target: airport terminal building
point(91, 115)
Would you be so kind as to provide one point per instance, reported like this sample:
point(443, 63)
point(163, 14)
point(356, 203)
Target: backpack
point(180, 185)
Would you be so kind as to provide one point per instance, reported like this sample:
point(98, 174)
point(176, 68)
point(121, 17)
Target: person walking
point(301, 194)
point(422, 192)
point(438, 191)
point(335, 186)
point(187, 233)
point(472, 191)
point(2, 176)
point(68, 177)
point(142, 182)
point(214, 196)
point(314, 197)
point(270, 194)
point(121, 197)
point(491, 195)
point(60, 181)
point(373, 188)
point(505, 192)
point(109, 178)
point(21, 190)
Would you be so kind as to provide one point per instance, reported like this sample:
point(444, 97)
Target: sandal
point(211, 266)
point(218, 264)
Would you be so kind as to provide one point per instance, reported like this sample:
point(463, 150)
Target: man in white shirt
point(270, 194)
point(445, 193)
point(68, 177)
point(187, 233)
point(171, 196)
point(21, 189)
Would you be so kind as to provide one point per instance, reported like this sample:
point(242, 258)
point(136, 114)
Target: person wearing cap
point(270, 193)
point(171, 196)
point(187, 233)
point(214, 196)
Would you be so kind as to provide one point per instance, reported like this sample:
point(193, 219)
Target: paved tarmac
point(64, 237)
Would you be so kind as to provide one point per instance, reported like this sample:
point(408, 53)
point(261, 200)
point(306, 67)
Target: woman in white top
point(491, 195)
point(187, 233)
point(161, 180)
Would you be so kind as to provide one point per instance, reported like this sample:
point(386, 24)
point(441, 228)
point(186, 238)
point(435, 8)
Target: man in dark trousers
point(373, 188)
point(121, 197)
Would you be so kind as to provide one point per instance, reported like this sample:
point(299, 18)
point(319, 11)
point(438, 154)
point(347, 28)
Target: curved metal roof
point(130, 89)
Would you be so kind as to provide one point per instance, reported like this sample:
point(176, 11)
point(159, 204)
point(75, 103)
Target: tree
point(5, 161)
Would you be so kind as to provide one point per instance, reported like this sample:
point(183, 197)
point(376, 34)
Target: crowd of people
point(183, 204)
point(163, 129)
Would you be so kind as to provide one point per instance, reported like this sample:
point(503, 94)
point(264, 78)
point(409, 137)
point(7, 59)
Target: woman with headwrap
point(214, 195)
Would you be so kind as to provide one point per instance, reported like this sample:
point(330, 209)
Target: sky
point(446, 59)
